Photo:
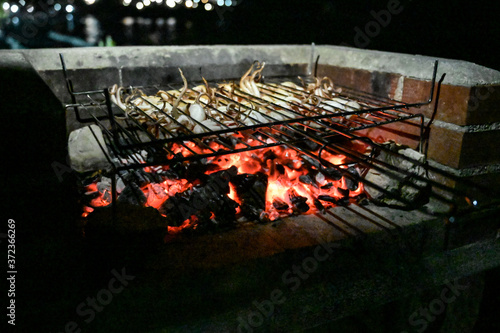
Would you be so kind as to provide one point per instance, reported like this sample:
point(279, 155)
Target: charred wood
point(251, 190)
point(299, 203)
point(280, 205)
point(308, 179)
point(132, 195)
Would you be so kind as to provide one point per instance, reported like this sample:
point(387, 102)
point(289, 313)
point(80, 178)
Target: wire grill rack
point(325, 122)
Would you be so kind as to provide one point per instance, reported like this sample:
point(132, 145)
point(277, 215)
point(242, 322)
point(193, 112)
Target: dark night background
point(55, 274)
point(466, 30)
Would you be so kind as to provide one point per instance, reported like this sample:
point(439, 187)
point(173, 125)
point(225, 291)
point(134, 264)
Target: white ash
point(320, 178)
point(84, 151)
point(104, 184)
point(412, 190)
point(138, 157)
point(120, 185)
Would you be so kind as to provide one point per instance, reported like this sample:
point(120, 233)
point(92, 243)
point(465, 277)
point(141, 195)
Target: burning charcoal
point(264, 217)
point(90, 180)
point(208, 202)
point(327, 186)
point(251, 189)
point(251, 212)
point(307, 179)
point(217, 183)
point(292, 133)
point(309, 145)
point(344, 192)
point(291, 164)
point(155, 177)
point(142, 177)
point(260, 185)
point(136, 176)
point(311, 161)
point(302, 141)
point(89, 196)
point(362, 200)
point(177, 209)
point(104, 188)
point(204, 198)
point(353, 171)
point(158, 157)
point(195, 170)
point(319, 206)
point(351, 183)
point(344, 201)
point(226, 212)
point(280, 205)
point(178, 170)
point(133, 195)
point(257, 158)
point(327, 198)
point(280, 168)
point(230, 140)
point(106, 196)
point(333, 173)
point(269, 155)
point(299, 203)
point(219, 180)
point(211, 167)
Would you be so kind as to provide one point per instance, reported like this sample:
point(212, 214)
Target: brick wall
point(465, 133)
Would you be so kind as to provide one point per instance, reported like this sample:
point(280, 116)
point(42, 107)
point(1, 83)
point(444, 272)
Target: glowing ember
point(156, 194)
point(294, 184)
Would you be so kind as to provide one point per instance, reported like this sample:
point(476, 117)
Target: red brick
point(452, 104)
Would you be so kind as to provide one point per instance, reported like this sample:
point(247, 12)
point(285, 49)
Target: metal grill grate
point(281, 116)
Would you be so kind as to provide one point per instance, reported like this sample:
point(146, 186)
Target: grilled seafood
point(204, 108)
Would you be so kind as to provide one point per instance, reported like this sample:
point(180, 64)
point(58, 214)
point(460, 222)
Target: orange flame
point(283, 166)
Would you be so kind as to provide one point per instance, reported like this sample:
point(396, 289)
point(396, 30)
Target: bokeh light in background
point(77, 19)
point(422, 27)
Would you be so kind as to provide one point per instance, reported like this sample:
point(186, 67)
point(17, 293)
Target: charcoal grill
point(270, 127)
point(369, 243)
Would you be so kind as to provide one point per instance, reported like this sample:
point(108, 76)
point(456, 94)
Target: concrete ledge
point(199, 288)
point(458, 72)
point(344, 295)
